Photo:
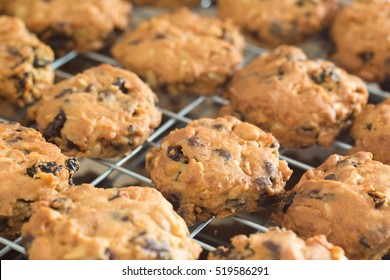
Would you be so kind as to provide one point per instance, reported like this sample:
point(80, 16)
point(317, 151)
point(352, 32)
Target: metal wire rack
point(129, 170)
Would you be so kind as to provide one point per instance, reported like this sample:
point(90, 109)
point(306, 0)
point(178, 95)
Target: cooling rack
point(177, 112)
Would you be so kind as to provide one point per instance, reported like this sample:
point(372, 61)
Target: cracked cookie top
point(300, 101)
point(182, 52)
point(25, 63)
point(108, 224)
point(347, 199)
point(218, 167)
point(278, 244)
point(102, 112)
point(30, 170)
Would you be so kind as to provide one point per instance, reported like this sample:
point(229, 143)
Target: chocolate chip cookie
point(182, 52)
point(107, 224)
point(30, 170)
point(278, 244)
point(218, 167)
point(72, 25)
point(371, 131)
point(361, 34)
point(102, 112)
point(277, 22)
point(347, 199)
point(166, 3)
point(25, 63)
point(300, 101)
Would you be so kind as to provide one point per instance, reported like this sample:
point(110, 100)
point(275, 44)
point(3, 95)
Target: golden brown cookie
point(371, 131)
point(277, 22)
point(347, 199)
point(25, 63)
point(30, 170)
point(300, 101)
point(218, 167)
point(106, 224)
point(361, 34)
point(278, 244)
point(182, 52)
point(72, 24)
point(102, 112)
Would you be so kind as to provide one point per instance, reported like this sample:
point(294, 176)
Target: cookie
point(346, 199)
point(30, 170)
point(108, 224)
point(73, 25)
point(102, 112)
point(371, 131)
point(278, 244)
point(218, 167)
point(25, 63)
point(272, 23)
point(182, 52)
point(300, 101)
point(361, 35)
point(166, 3)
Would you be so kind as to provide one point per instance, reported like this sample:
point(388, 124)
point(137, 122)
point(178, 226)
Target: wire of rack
point(131, 165)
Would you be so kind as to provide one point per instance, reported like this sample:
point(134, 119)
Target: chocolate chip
point(120, 82)
point(195, 141)
point(270, 169)
point(110, 255)
point(72, 165)
point(175, 199)
point(115, 196)
point(160, 249)
point(27, 240)
point(363, 241)
point(225, 154)
point(288, 201)
point(236, 203)
point(15, 139)
point(175, 153)
point(54, 128)
point(369, 126)
point(331, 177)
point(379, 201)
point(366, 56)
point(63, 93)
point(40, 62)
point(272, 246)
point(160, 37)
point(263, 183)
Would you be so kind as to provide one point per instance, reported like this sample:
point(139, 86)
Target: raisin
point(72, 146)
point(50, 167)
point(263, 183)
point(316, 194)
point(31, 171)
point(131, 129)
point(275, 28)
point(72, 165)
point(62, 204)
point(225, 154)
point(115, 196)
point(306, 129)
point(345, 162)
point(366, 56)
point(15, 139)
point(363, 241)
point(89, 88)
point(288, 201)
point(160, 37)
point(13, 51)
point(54, 128)
point(270, 169)
point(110, 255)
point(175, 153)
point(135, 42)
point(38, 62)
point(236, 203)
point(21, 82)
point(120, 82)
point(63, 93)
point(194, 141)
point(266, 200)
point(379, 201)
point(158, 248)
point(218, 126)
point(175, 199)
point(331, 177)
point(120, 217)
point(369, 126)
point(272, 246)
